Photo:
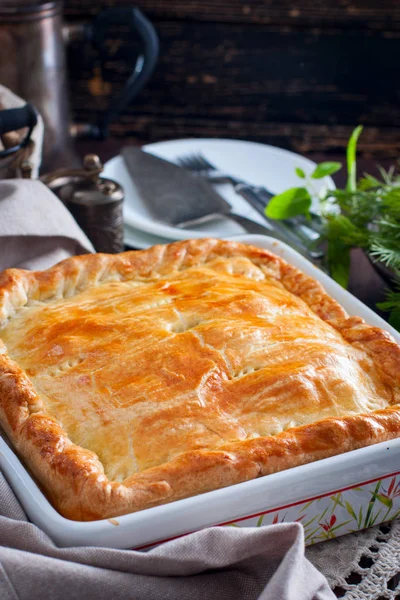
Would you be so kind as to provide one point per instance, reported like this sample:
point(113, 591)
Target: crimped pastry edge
point(74, 478)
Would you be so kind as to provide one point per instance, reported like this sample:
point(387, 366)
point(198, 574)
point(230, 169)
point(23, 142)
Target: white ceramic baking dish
point(329, 497)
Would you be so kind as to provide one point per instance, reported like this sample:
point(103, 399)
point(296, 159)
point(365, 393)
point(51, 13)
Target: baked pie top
point(132, 380)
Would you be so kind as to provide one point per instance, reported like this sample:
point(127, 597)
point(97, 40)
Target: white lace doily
point(362, 565)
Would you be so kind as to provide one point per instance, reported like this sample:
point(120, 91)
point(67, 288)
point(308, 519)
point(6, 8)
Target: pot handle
point(145, 62)
point(13, 119)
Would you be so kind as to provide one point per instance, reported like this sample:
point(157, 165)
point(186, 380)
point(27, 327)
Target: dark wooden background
point(296, 74)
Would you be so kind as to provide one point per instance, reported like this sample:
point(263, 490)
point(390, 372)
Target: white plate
point(258, 164)
point(139, 240)
point(219, 506)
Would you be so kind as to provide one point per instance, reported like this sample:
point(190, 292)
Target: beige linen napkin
point(227, 563)
point(36, 230)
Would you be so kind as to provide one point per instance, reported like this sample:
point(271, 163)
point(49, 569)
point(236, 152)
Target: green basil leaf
point(339, 262)
point(292, 202)
point(326, 168)
point(300, 173)
point(351, 159)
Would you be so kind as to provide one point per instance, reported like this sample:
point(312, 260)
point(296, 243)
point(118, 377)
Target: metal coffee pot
point(32, 65)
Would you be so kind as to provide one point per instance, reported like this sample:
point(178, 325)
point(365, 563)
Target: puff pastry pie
point(132, 380)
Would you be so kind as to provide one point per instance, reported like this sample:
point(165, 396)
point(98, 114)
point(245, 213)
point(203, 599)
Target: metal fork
point(258, 197)
point(197, 163)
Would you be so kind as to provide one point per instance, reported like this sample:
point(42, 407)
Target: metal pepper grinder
point(95, 202)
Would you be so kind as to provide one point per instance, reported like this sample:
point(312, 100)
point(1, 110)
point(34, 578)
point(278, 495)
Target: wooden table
point(298, 75)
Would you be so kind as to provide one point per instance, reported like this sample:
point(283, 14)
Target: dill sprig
point(392, 305)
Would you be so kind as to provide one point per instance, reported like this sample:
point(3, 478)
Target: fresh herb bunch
point(365, 214)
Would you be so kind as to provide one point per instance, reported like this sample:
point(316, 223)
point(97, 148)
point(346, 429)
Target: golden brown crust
point(74, 478)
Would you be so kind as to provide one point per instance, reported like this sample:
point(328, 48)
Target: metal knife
point(178, 198)
point(259, 197)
